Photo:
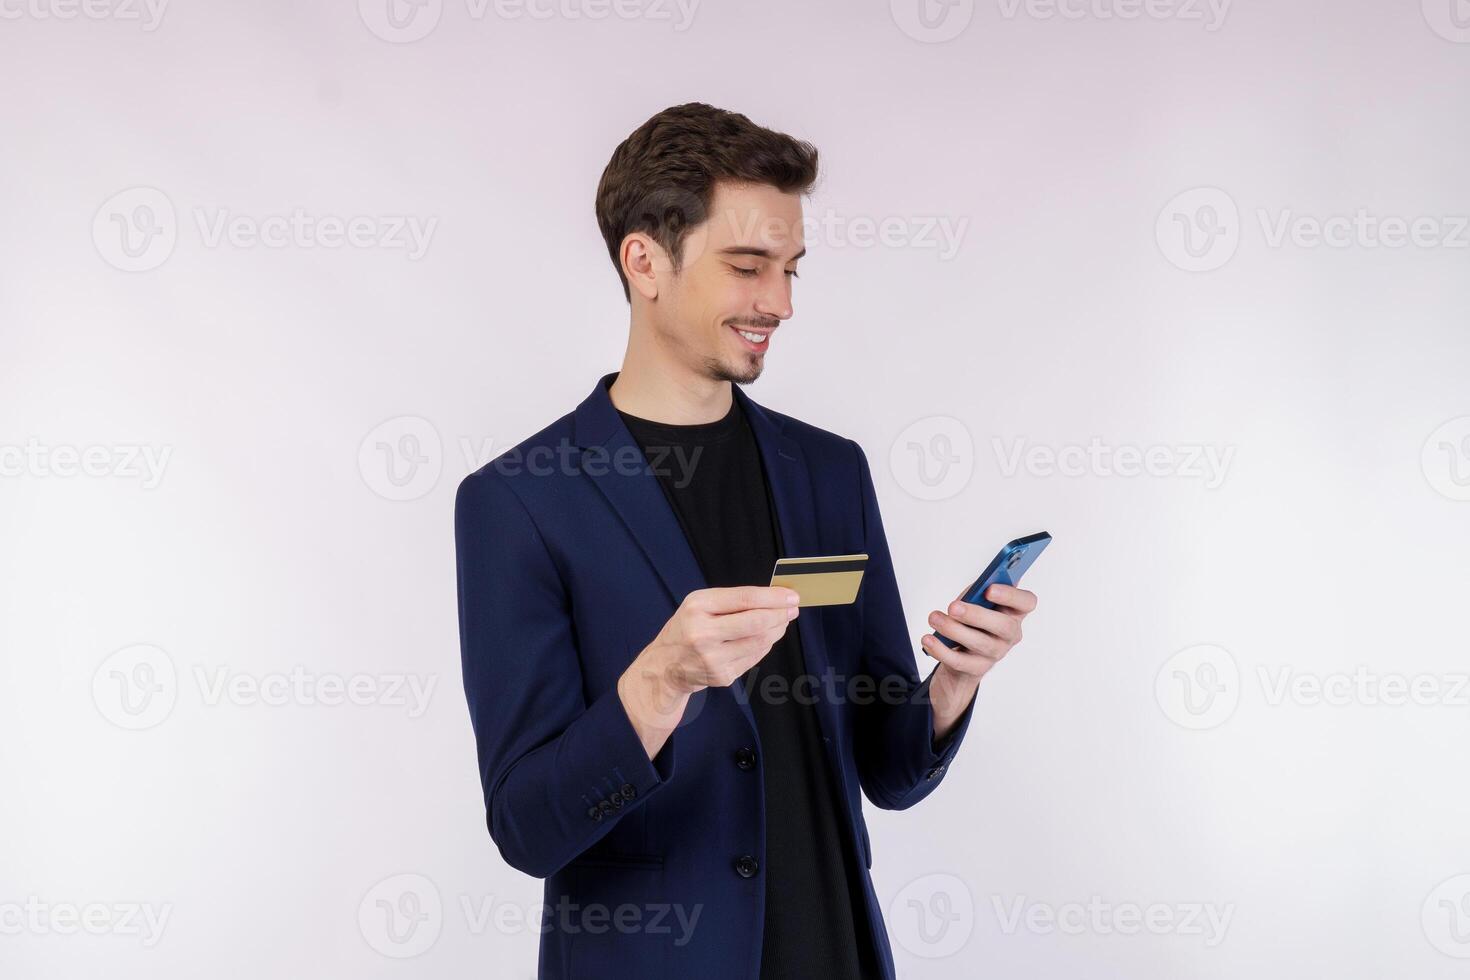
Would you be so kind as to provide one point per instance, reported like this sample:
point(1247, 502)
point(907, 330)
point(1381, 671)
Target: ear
point(644, 261)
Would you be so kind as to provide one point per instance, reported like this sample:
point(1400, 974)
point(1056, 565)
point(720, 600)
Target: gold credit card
point(825, 580)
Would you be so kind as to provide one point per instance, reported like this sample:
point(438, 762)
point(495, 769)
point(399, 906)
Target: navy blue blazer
point(570, 561)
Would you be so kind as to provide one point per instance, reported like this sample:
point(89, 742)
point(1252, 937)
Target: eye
point(743, 271)
point(792, 274)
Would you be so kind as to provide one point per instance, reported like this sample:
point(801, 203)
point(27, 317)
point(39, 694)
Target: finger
point(750, 650)
point(973, 640)
point(966, 663)
point(741, 597)
point(1011, 597)
point(1004, 624)
point(752, 622)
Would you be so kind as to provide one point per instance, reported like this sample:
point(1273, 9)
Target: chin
point(741, 374)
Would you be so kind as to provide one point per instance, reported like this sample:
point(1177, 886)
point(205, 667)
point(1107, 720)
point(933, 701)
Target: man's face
point(737, 273)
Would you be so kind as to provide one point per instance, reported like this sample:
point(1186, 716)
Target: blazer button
point(745, 758)
point(628, 791)
point(605, 807)
point(616, 798)
point(594, 813)
point(746, 866)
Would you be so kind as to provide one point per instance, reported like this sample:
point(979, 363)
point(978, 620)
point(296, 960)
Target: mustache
point(763, 323)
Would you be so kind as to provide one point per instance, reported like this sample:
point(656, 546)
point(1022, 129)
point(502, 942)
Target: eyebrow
point(763, 253)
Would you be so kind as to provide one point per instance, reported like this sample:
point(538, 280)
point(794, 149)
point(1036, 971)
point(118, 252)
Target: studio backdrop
point(1183, 282)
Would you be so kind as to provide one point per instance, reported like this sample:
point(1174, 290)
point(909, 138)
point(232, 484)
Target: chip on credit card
point(824, 580)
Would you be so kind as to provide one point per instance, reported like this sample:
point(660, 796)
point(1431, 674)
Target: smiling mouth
point(756, 340)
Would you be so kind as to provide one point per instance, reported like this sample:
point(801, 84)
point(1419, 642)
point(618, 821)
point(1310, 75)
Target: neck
point(653, 384)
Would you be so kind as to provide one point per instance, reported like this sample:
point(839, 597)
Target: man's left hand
point(984, 637)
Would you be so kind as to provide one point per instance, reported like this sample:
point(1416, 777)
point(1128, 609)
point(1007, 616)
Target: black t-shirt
point(816, 919)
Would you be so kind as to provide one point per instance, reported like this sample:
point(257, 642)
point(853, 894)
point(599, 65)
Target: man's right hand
point(714, 637)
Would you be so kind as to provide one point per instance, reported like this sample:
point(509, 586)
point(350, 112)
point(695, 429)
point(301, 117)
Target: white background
point(1136, 750)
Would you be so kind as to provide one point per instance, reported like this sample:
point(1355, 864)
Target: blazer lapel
point(791, 488)
point(617, 467)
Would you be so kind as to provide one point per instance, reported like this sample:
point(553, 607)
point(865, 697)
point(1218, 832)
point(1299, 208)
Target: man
point(654, 740)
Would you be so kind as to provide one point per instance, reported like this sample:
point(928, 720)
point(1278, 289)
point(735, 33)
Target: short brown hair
point(661, 179)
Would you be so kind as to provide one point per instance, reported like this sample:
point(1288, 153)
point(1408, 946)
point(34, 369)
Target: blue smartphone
point(1007, 567)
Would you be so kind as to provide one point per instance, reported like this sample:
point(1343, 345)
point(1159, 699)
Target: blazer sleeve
point(898, 760)
point(557, 771)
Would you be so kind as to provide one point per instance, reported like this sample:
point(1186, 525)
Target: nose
point(774, 298)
